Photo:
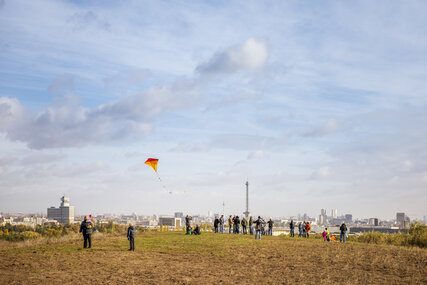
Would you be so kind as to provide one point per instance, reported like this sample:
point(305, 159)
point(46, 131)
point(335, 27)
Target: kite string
point(161, 181)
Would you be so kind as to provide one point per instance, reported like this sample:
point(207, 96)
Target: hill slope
point(211, 258)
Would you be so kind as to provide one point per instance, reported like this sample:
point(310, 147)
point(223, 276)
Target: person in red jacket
point(307, 229)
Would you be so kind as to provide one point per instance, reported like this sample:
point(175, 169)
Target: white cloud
point(67, 123)
point(41, 158)
point(329, 127)
point(251, 55)
point(322, 172)
point(258, 154)
point(11, 112)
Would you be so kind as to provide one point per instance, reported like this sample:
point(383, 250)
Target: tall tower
point(246, 213)
point(65, 201)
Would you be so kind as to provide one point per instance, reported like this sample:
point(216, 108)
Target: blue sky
point(319, 106)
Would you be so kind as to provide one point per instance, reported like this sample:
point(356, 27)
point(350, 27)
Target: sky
point(319, 105)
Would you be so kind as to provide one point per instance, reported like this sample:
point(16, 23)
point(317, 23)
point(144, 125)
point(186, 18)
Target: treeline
point(20, 232)
point(416, 236)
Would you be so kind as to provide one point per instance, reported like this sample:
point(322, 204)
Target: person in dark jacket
point(343, 229)
point(188, 224)
point(86, 229)
point(244, 225)
point(258, 227)
point(216, 224)
point(221, 224)
point(270, 227)
point(131, 237)
point(292, 228)
point(237, 221)
point(196, 230)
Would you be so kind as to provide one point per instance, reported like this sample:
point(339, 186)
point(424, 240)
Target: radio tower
point(246, 213)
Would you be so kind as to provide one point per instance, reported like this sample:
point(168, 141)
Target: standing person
point(304, 230)
point(230, 224)
point(244, 225)
point(221, 224)
point(343, 229)
point(237, 223)
point(258, 226)
point(216, 224)
point(292, 228)
point(86, 229)
point(251, 226)
point(131, 237)
point(270, 227)
point(300, 229)
point(263, 227)
point(187, 224)
point(307, 229)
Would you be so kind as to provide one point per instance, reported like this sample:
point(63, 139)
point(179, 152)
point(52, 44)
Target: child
point(189, 230)
point(324, 235)
point(131, 237)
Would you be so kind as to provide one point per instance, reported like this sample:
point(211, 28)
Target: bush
point(417, 236)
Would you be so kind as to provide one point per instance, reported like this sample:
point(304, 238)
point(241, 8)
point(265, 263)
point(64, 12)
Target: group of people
point(303, 229)
point(255, 226)
point(237, 225)
point(343, 234)
point(189, 230)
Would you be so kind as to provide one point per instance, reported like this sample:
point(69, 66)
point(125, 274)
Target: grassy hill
point(171, 257)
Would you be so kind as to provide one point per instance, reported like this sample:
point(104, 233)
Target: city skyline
point(314, 107)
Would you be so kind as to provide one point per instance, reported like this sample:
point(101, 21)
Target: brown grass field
point(172, 257)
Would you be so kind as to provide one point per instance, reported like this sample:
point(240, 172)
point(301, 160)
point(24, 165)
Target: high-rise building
point(400, 219)
point(322, 217)
point(348, 218)
point(321, 220)
point(373, 222)
point(64, 214)
point(179, 215)
point(334, 213)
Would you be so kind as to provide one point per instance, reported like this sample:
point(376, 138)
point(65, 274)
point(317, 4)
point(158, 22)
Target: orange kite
point(153, 163)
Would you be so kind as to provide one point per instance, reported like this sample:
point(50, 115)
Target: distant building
point(64, 214)
point(348, 218)
point(179, 215)
point(334, 213)
point(400, 219)
point(321, 220)
point(373, 222)
point(322, 217)
point(171, 222)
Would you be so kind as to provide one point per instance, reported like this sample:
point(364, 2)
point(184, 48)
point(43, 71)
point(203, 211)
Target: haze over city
point(314, 107)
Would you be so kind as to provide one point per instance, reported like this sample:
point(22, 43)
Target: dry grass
point(208, 259)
